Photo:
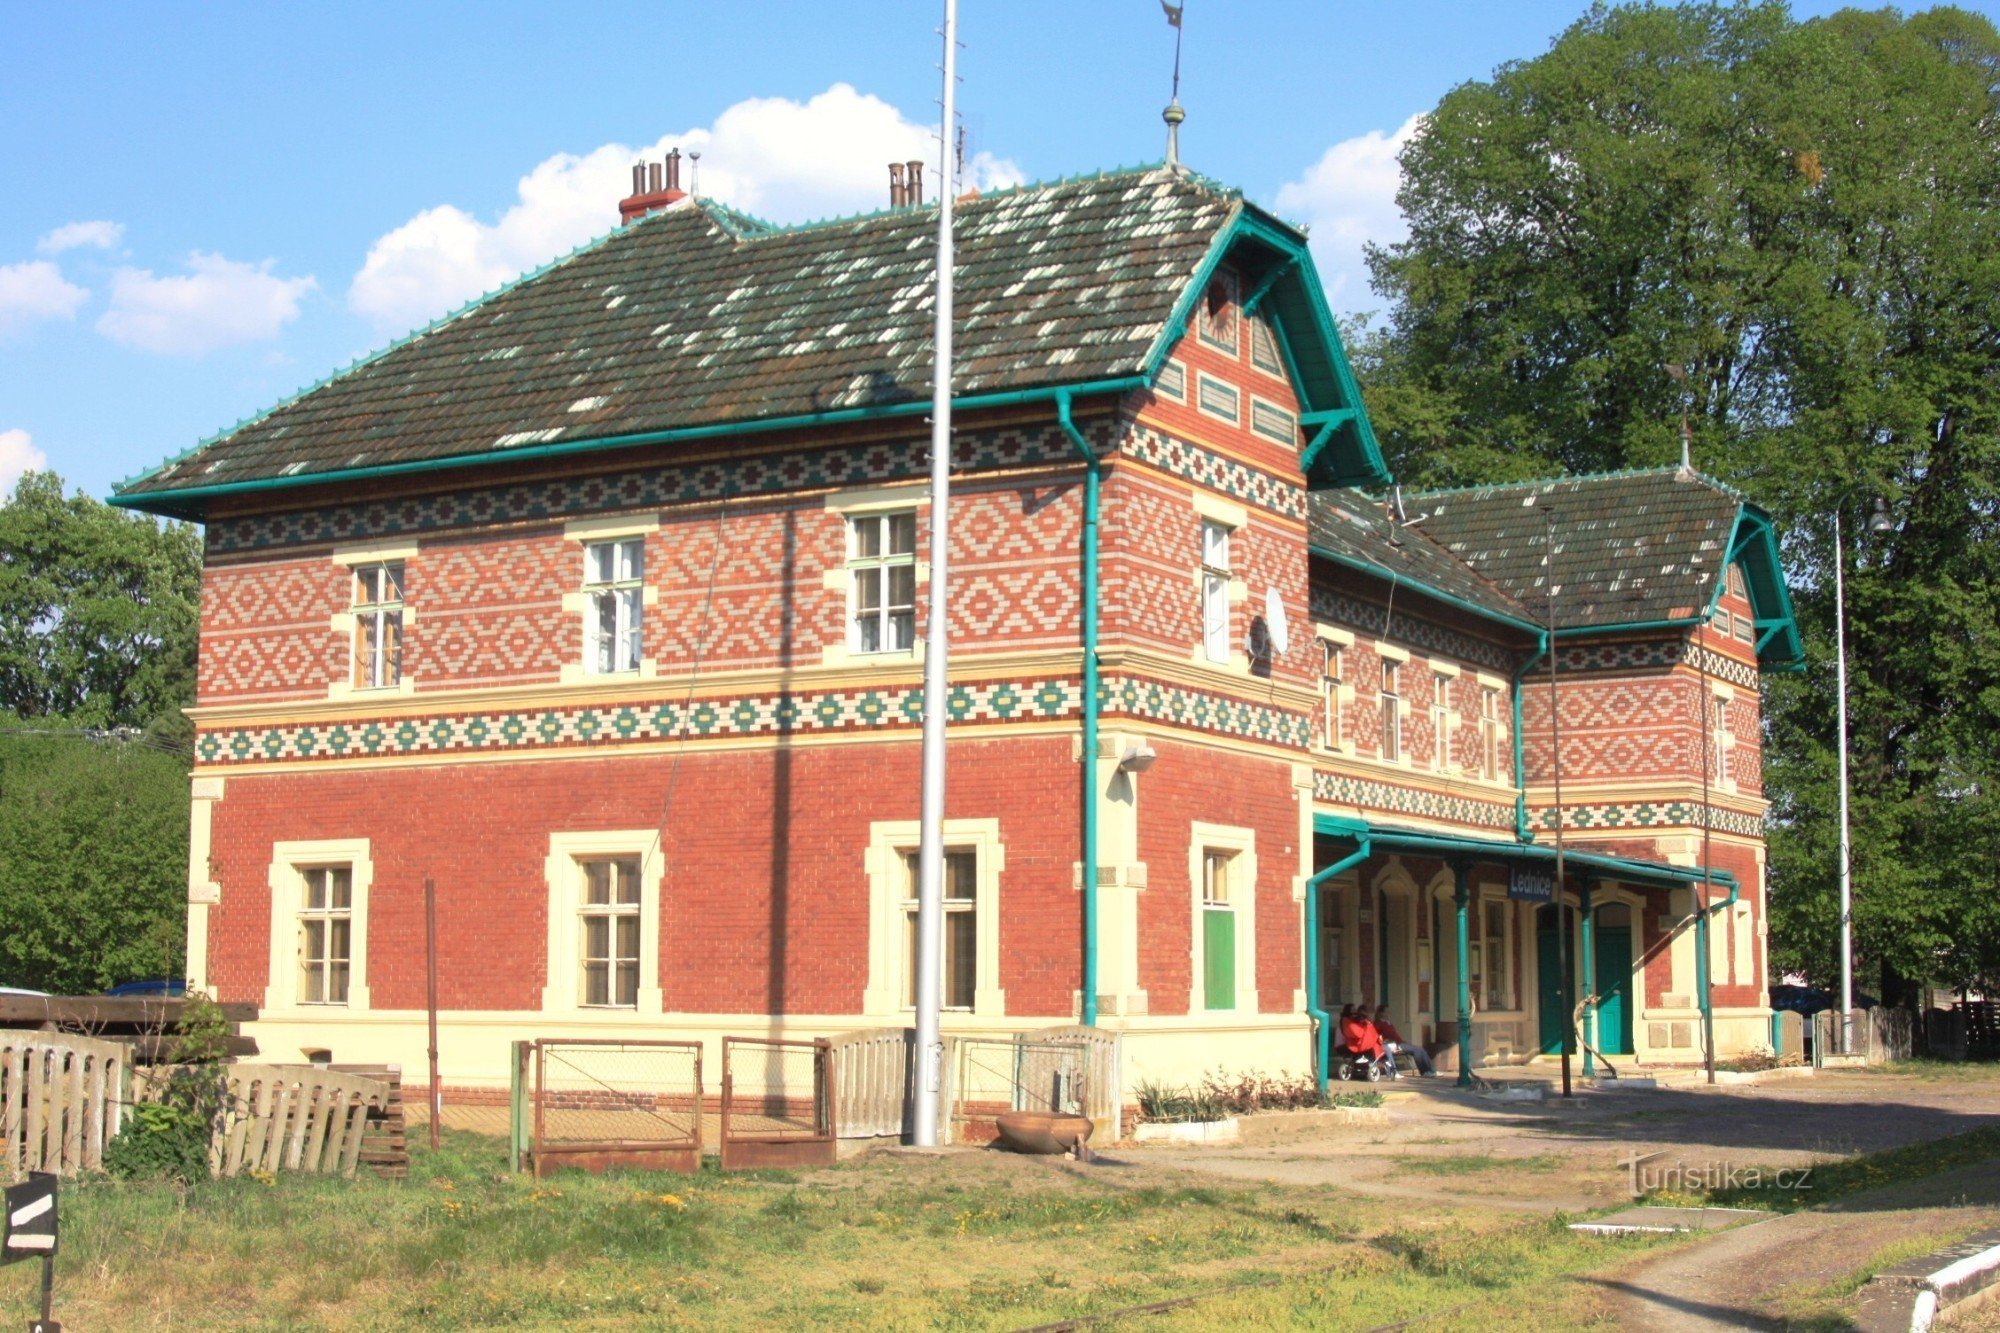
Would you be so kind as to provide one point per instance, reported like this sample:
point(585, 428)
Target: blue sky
point(209, 206)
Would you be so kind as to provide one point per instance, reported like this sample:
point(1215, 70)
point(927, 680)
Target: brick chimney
point(654, 186)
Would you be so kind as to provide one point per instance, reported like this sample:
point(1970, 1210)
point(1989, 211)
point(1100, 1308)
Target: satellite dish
point(1274, 616)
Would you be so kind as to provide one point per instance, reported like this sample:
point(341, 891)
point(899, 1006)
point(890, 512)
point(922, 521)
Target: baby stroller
point(1355, 1058)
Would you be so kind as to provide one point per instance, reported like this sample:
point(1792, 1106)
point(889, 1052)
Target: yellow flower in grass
point(673, 1201)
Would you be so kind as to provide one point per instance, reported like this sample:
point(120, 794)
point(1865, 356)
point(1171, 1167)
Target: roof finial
point(1174, 115)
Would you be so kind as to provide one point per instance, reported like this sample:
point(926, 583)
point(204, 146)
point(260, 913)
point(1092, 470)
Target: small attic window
point(1217, 322)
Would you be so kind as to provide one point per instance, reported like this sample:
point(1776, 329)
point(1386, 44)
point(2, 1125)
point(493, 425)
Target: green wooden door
point(1218, 957)
point(1548, 972)
point(1614, 991)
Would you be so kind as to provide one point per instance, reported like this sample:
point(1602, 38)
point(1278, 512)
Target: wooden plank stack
point(146, 1024)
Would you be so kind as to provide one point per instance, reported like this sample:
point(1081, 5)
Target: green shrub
point(160, 1141)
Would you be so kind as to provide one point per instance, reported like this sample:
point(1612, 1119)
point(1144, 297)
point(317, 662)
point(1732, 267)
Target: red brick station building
point(600, 603)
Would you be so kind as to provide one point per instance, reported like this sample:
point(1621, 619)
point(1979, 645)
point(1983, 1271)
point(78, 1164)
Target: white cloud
point(98, 235)
point(218, 303)
point(18, 454)
point(771, 156)
point(35, 291)
point(1348, 198)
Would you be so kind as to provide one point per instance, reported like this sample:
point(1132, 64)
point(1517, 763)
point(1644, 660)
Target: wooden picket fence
point(871, 1074)
point(60, 1100)
point(286, 1117)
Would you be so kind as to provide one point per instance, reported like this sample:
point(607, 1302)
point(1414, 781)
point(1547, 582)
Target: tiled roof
point(1630, 547)
point(700, 315)
point(1353, 527)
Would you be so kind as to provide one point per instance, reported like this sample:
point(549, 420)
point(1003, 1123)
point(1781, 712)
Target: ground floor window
point(604, 889)
point(1490, 959)
point(974, 865)
point(1218, 930)
point(326, 934)
point(610, 932)
point(961, 927)
point(319, 924)
point(1222, 878)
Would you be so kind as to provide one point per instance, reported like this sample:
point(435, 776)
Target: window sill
point(839, 654)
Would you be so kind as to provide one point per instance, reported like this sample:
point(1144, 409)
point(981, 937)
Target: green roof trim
point(1754, 545)
point(1460, 846)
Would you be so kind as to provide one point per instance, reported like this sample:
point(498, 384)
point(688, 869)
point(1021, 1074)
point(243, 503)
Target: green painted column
point(1461, 896)
point(1589, 979)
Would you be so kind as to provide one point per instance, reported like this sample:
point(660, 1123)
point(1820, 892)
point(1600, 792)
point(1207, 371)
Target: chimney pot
point(654, 186)
point(895, 185)
point(638, 178)
point(913, 187)
point(653, 181)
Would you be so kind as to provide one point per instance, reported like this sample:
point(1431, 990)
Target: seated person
point(1420, 1057)
point(1358, 1034)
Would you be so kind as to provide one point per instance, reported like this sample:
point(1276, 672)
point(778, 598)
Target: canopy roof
point(1457, 846)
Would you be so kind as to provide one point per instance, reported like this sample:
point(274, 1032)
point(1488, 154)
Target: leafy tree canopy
point(97, 609)
point(1789, 232)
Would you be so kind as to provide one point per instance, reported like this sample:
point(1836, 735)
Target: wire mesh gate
point(616, 1103)
point(1073, 1070)
point(777, 1103)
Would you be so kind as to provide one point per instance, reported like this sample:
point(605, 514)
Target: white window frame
point(889, 842)
point(582, 600)
point(953, 907)
point(1510, 926)
point(1241, 845)
point(613, 911)
point(885, 560)
point(1721, 741)
point(371, 610)
point(1441, 717)
point(563, 874)
point(1390, 705)
point(618, 588)
point(1332, 686)
point(1215, 576)
point(1273, 423)
point(325, 915)
point(289, 863)
point(1172, 381)
point(1489, 732)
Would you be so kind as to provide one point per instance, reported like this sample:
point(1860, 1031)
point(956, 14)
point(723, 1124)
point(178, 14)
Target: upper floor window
point(614, 577)
point(1330, 686)
point(1489, 733)
point(1215, 590)
point(1721, 741)
point(378, 625)
point(961, 927)
point(1392, 714)
point(1736, 581)
point(1440, 722)
point(882, 582)
point(326, 933)
point(1218, 399)
point(1217, 323)
point(609, 938)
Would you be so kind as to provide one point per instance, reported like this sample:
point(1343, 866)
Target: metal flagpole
point(930, 853)
point(1846, 852)
point(1556, 769)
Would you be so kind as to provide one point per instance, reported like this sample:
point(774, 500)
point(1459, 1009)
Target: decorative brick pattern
point(1649, 815)
point(1363, 617)
point(1204, 467)
point(883, 708)
point(658, 486)
point(1391, 798)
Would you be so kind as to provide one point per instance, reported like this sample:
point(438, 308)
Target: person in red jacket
point(1358, 1034)
point(1386, 1031)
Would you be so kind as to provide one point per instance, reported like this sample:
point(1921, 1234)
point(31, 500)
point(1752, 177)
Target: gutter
point(1092, 476)
point(1322, 1022)
point(1459, 603)
point(1702, 978)
point(175, 503)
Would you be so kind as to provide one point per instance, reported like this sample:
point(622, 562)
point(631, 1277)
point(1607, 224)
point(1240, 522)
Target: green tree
point(97, 610)
point(1802, 219)
point(93, 862)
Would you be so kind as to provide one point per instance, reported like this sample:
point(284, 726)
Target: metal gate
point(617, 1103)
point(1073, 1069)
point(777, 1103)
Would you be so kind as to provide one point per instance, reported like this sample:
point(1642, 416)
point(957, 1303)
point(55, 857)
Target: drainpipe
point(1091, 477)
point(1589, 978)
point(1461, 897)
point(1702, 980)
point(1520, 764)
point(1315, 1009)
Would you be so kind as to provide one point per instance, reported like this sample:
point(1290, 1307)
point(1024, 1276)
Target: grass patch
point(968, 1241)
point(1830, 1305)
point(1472, 1164)
point(1831, 1181)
